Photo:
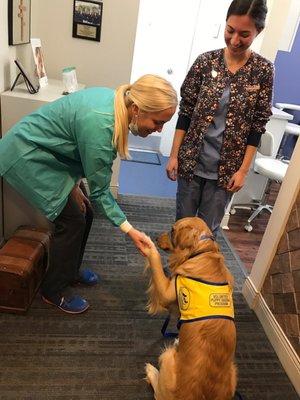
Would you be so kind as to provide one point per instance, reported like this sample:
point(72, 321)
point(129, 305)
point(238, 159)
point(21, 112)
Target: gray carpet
point(101, 354)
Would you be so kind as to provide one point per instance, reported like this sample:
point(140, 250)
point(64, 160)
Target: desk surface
point(48, 93)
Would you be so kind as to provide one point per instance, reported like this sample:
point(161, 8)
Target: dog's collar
point(205, 237)
point(202, 237)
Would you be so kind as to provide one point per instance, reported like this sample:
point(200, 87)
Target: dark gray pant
point(71, 231)
point(203, 198)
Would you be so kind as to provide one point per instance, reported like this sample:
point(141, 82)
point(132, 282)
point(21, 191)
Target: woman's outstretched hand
point(141, 240)
point(150, 250)
point(172, 168)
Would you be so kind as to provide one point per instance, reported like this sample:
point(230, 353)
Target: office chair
point(291, 128)
point(269, 167)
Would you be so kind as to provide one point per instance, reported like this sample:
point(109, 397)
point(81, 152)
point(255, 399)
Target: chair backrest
point(266, 144)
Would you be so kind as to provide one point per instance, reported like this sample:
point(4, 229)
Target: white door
point(170, 35)
point(163, 43)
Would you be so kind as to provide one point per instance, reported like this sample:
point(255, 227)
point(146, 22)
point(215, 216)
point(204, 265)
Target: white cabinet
point(17, 103)
point(14, 105)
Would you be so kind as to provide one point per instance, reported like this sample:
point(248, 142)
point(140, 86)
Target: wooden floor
point(246, 244)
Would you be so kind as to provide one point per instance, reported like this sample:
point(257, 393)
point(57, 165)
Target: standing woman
point(226, 103)
point(46, 154)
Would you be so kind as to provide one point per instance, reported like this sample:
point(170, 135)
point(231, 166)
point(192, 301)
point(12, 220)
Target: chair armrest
point(288, 106)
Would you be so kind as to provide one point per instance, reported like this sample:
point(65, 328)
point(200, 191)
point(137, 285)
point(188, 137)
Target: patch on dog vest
point(198, 299)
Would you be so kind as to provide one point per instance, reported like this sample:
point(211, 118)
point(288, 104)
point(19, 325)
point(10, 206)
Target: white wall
point(276, 33)
point(277, 15)
point(291, 26)
point(105, 63)
point(6, 72)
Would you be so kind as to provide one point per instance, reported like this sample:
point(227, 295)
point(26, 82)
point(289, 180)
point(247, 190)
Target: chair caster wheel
point(248, 228)
point(232, 211)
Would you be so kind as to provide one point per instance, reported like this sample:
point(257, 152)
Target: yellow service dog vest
point(198, 299)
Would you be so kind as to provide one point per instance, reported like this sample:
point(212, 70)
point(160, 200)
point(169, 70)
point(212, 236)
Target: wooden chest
point(23, 262)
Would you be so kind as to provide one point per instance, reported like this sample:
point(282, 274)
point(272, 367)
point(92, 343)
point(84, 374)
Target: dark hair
point(256, 9)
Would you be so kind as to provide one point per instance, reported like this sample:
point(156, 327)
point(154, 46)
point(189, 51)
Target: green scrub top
point(48, 151)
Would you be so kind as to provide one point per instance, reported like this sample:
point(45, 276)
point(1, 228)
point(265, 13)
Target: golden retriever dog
point(200, 366)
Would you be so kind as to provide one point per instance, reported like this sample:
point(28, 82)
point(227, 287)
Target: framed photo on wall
point(87, 19)
point(18, 21)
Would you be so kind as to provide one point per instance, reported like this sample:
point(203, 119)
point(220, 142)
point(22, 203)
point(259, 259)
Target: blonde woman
point(46, 154)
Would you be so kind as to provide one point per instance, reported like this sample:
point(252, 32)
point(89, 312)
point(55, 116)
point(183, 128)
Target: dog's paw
point(151, 373)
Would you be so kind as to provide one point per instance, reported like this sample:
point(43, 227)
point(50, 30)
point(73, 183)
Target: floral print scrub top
point(249, 109)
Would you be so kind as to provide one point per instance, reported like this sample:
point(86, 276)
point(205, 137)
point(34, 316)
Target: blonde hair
point(151, 93)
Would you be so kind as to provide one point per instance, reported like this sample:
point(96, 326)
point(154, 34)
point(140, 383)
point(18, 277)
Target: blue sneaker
point(74, 305)
point(88, 277)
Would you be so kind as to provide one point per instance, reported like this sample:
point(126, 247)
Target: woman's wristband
point(125, 226)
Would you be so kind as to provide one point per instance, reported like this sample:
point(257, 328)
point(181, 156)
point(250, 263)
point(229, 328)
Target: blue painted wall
point(287, 76)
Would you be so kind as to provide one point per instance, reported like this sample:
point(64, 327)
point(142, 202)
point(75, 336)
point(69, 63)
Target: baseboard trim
point(282, 346)
point(250, 293)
